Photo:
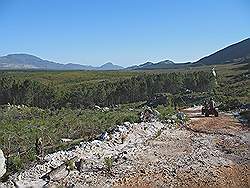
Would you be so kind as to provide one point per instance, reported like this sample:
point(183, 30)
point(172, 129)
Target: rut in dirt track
point(225, 124)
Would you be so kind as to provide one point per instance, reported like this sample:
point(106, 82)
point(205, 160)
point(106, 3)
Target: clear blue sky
point(124, 32)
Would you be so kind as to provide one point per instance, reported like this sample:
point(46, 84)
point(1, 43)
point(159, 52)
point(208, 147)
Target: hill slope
point(228, 54)
point(25, 61)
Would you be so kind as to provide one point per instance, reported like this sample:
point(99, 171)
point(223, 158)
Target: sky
point(124, 32)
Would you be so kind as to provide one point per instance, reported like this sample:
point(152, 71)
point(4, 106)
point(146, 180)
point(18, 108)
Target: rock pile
point(123, 139)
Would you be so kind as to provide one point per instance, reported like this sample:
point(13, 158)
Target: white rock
point(127, 124)
point(157, 112)
point(174, 117)
point(97, 107)
point(66, 140)
point(2, 164)
point(169, 121)
point(122, 129)
point(104, 136)
point(96, 142)
point(105, 109)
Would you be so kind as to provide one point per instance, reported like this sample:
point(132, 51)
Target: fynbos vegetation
point(103, 92)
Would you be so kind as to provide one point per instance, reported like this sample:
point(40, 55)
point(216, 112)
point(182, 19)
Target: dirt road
point(210, 152)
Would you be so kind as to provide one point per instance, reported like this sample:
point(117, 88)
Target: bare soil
point(227, 137)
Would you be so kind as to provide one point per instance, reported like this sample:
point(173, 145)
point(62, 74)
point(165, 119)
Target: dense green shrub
point(15, 163)
point(103, 92)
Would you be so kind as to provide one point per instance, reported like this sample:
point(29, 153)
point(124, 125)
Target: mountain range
point(237, 52)
point(26, 61)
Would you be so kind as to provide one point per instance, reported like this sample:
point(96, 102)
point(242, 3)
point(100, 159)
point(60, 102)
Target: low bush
point(165, 112)
point(108, 162)
point(15, 163)
point(21, 126)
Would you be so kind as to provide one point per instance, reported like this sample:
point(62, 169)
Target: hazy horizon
point(122, 32)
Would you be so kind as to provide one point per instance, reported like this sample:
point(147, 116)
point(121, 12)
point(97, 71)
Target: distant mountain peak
point(151, 65)
point(110, 66)
point(166, 62)
point(108, 63)
point(146, 64)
